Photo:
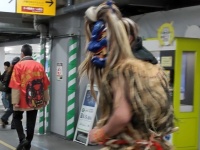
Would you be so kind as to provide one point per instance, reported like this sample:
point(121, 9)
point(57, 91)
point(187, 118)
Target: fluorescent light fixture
point(8, 49)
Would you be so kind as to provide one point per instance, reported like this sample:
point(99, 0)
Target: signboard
point(166, 61)
point(166, 34)
point(8, 6)
point(59, 71)
point(37, 7)
point(86, 117)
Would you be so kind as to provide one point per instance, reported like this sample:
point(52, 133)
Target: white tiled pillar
point(2, 59)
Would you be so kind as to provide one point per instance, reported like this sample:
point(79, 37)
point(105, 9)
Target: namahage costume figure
point(136, 113)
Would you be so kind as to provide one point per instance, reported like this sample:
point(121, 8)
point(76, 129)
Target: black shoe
point(27, 147)
point(22, 144)
point(4, 123)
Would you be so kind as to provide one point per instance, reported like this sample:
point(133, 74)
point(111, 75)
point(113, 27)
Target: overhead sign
point(37, 7)
point(86, 117)
point(8, 6)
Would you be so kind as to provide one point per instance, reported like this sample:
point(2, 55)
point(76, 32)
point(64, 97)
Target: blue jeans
point(4, 100)
point(9, 111)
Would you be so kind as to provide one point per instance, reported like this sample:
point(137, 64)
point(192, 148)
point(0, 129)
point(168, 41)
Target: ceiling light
point(7, 49)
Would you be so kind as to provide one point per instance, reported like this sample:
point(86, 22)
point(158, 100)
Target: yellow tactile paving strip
point(7, 145)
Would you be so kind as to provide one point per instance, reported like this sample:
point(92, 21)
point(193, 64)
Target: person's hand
point(91, 136)
point(97, 135)
point(46, 103)
point(16, 105)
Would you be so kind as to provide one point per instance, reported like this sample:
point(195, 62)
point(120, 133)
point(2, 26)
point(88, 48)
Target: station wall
point(183, 20)
point(63, 27)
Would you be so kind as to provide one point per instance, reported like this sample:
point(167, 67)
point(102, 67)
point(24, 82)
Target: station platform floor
point(9, 140)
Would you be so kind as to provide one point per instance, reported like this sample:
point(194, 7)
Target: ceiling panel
point(18, 27)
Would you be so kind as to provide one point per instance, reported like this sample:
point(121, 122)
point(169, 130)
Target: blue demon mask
point(98, 44)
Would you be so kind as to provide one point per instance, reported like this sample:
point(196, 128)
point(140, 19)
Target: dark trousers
point(9, 111)
point(30, 124)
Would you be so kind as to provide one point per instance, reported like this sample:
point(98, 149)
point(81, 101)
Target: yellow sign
point(37, 7)
point(166, 34)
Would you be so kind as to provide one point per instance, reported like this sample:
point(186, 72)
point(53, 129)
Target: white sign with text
point(86, 117)
point(8, 6)
point(59, 71)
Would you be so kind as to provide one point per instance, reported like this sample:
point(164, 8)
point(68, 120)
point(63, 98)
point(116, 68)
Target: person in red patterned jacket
point(29, 85)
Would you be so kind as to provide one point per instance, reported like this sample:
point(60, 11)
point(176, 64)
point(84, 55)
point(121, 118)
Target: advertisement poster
point(166, 34)
point(87, 113)
point(86, 117)
point(59, 71)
